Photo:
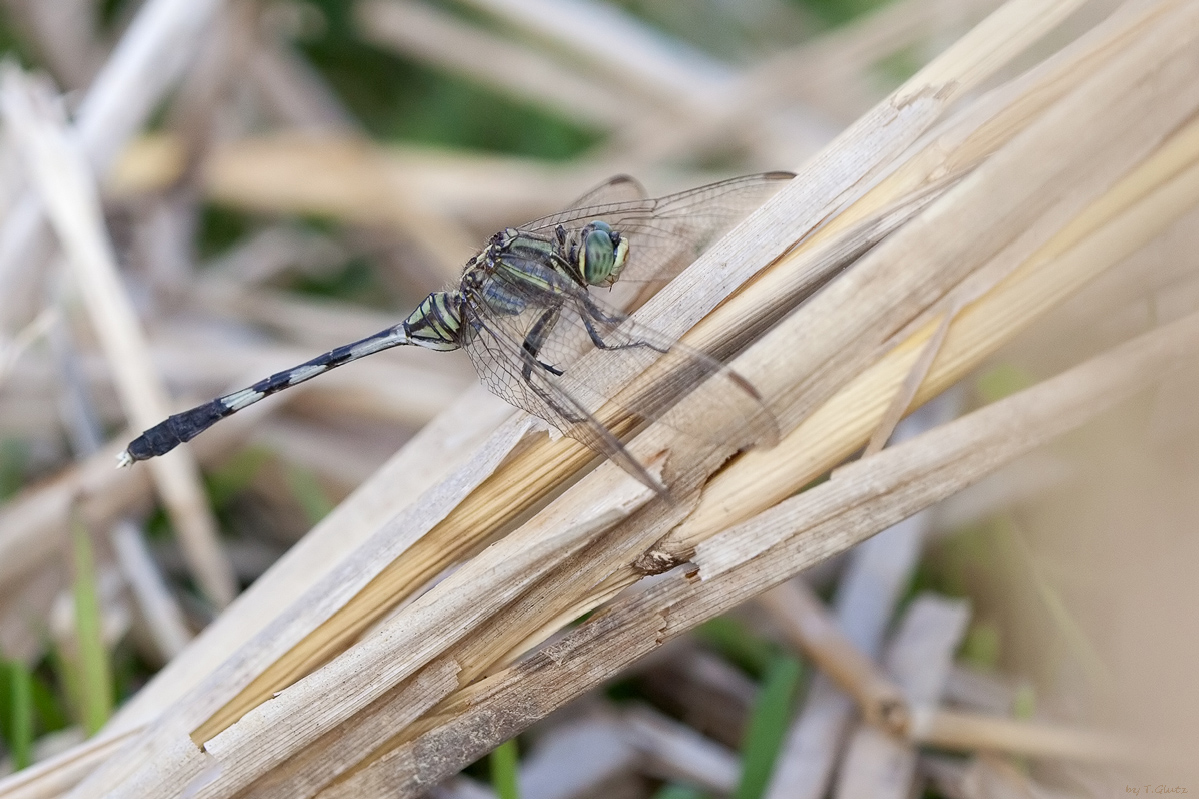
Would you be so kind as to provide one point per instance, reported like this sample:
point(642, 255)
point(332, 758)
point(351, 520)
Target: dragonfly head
point(602, 254)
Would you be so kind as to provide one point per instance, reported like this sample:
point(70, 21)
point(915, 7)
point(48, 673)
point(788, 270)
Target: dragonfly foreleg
point(535, 340)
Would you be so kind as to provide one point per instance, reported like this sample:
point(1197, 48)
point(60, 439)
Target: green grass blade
point(20, 739)
point(768, 722)
point(47, 705)
point(95, 674)
point(503, 763)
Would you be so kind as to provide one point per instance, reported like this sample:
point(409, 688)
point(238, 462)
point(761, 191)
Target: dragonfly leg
point(536, 340)
point(599, 316)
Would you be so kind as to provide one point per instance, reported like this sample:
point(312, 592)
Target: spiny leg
point(593, 312)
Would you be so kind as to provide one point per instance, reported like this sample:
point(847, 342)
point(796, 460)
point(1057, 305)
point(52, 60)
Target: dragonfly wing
point(666, 238)
point(667, 233)
point(621, 194)
point(524, 379)
point(542, 374)
point(734, 413)
point(618, 189)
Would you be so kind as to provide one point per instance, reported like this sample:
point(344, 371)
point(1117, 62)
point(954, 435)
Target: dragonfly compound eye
point(602, 255)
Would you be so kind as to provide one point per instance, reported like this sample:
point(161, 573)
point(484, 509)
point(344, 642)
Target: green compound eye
point(602, 255)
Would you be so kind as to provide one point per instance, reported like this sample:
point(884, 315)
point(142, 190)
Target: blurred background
point(317, 167)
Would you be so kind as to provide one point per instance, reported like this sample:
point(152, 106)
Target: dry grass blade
point(440, 38)
point(64, 183)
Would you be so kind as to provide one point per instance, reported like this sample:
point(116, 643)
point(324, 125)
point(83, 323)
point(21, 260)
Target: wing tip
point(124, 460)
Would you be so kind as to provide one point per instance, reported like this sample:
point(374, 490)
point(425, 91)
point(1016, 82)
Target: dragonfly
point(529, 306)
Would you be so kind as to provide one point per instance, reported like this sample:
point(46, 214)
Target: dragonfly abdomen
point(183, 427)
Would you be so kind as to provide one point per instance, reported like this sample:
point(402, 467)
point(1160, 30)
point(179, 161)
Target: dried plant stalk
point(810, 627)
point(63, 180)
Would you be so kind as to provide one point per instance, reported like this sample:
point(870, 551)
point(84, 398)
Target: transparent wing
point(529, 359)
point(520, 378)
point(667, 233)
point(617, 189)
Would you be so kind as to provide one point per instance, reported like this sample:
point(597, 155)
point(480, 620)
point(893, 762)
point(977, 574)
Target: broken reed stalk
point(63, 180)
point(746, 560)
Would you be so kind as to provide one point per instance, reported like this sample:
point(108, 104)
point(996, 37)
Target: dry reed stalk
point(732, 567)
point(667, 73)
point(960, 731)
point(834, 63)
point(557, 458)
point(63, 181)
point(874, 578)
point(1131, 213)
point(811, 628)
point(919, 658)
point(143, 66)
point(1007, 33)
point(260, 173)
point(771, 367)
point(162, 614)
point(446, 41)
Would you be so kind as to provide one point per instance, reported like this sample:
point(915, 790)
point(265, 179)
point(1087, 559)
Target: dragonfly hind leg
point(536, 340)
